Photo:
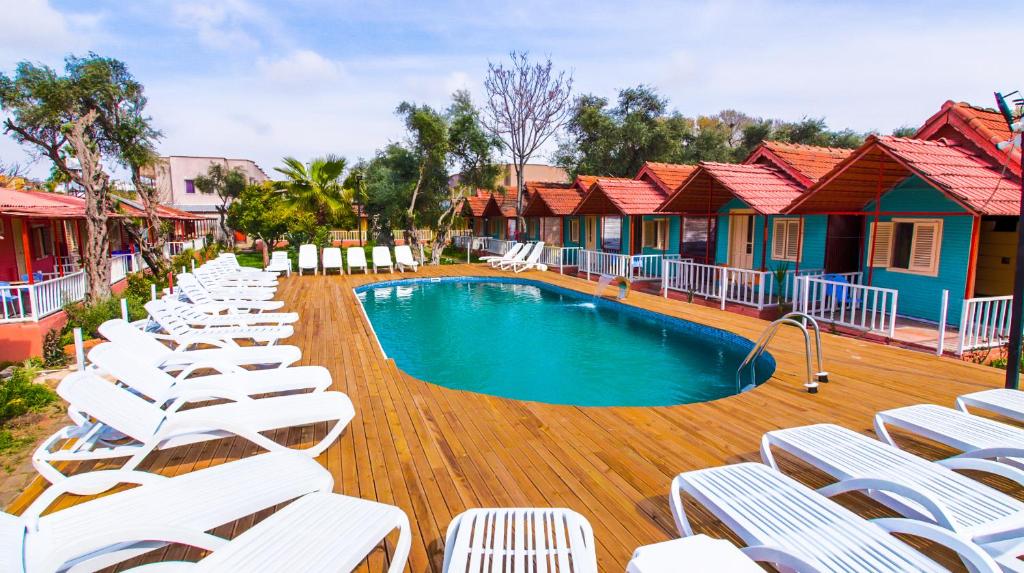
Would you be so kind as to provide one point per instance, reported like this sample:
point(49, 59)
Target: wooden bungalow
point(692, 232)
point(549, 213)
point(620, 217)
point(473, 207)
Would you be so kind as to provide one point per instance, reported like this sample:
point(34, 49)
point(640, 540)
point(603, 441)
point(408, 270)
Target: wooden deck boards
point(436, 452)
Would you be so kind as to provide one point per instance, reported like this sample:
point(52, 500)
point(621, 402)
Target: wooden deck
point(435, 452)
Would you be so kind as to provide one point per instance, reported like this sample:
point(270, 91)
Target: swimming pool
point(529, 340)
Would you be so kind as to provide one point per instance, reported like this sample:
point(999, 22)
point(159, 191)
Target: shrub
point(53, 350)
point(19, 394)
point(89, 317)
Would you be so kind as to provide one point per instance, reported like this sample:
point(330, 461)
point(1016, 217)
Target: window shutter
point(881, 253)
point(925, 247)
point(779, 240)
point(649, 237)
point(792, 240)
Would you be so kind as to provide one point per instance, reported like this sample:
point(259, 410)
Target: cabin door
point(741, 241)
point(591, 233)
point(843, 243)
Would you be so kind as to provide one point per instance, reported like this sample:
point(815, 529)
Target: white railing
point(984, 323)
point(860, 307)
point(460, 232)
point(496, 246)
point(341, 235)
point(726, 284)
point(632, 267)
point(175, 248)
point(648, 267)
point(560, 257)
point(120, 266)
point(50, 296)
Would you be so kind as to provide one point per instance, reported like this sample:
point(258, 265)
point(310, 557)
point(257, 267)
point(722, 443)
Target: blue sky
point(243, 78)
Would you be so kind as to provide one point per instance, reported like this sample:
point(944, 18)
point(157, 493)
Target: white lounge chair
point(175, 329)
point(1002, 401)
point(530, 262)
point(104, 531)
point(980, 439)
point(162, 387)
point(280, 263)
point(112, 422)
point(196, 316)
point(404, 260)
point(307, 258)
point(222, 268)
point(229, 263)
point(382, 259)
point(788, 524)
point(317, 532)
point(223, 360)
point(518, 257)
point(511, 252)
point(214, 279)
point(521, 538)
point(187, 285)
point(231, 291)
point(911, 486)
point(332, 260)
point(356, 259)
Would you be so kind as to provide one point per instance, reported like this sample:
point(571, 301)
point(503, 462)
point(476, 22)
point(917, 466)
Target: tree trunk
point(444, 225)
point(97, 206)
point(410, 235)
point(520, 188)
point(150, 238)
point(229, 237)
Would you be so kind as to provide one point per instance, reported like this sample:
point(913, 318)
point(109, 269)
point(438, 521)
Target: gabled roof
point(40, 204)
point(552, 199)
point(668, 176)
point(134, 208)
point(804, 163)
point(612, 195)
point(473, 205)
point(764, 188)
point(584, 182)
point(975, 126)
point(962, 174)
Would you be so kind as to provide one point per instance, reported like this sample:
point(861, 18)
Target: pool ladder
point(799, 320)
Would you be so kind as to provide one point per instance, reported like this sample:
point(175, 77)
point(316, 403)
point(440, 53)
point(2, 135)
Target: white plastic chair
point(786, 523)
point(913, 487)
point(279, 262)
point(111, 421)
point(332, 260)
point(108, 530)
point(356, 259)
point(206, 301)
point(307, 258)
point(382, 259)
point(176, 329)
point(404, 260)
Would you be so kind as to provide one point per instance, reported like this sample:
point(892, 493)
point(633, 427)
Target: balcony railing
point(984, 323)
point(861, 307)
point(32, 302)
point(560, 257)
point(632, 267)
point(175, 248)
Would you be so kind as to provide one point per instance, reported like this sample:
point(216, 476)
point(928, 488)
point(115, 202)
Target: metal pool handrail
point(799, 320)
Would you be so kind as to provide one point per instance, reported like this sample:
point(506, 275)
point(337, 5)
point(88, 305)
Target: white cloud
point(301, 66)
point(235, 25)
point(33, 30)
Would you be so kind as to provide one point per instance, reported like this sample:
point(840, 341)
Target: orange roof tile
point(613, 195)
point(473, 205)
point(805, 163)
point(666, 175)
point(962, 174)
point(764, 188)
point(40, 204)
point(981, 127)
point(552, 200)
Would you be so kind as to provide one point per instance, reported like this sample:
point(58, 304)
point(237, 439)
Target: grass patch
point(20, 395)
point(10, 443)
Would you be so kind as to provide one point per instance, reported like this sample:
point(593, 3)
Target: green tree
point(315, 188)
point(905, 131)
point(427, 140)
point(259, 212)
point(389, 179)
point(227, 184)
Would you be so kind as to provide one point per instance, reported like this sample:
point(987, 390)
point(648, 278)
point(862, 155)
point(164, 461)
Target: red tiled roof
point(962, 174)
point(474, 205)
point(981, 127)
point(805, 163)
point(667, 175)
point(763, 188)
point(623, 196)
point(552, 200)
point(40, 204)
point(584, 182)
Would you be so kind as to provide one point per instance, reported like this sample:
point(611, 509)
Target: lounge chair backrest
point(115, 407)
point(403, 254)
point(382, 256)
point(134, 340)
point(122, 364)
point(535, 254)
point(307, 256)
point(169, 321)
point(522, 254)
point(332, 257)
point(513, 251)
point(356, 257)
point(279, 256)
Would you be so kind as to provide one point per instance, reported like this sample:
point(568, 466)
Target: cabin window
point(190, 186)
point(611, 234)
point(906, 245)
point(43, 242)
point(551, 230)
point(532, 227)
point(787, 235)
point(655, 234)
point(574, 230)
point(697, 232)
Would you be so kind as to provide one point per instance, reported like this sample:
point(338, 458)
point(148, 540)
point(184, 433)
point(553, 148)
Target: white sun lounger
point(382, 259)
point(307, 258)
point(1002, 401)
point(108, 530)
point(280, 263)
point(530, 262)
point(356, 259)
point(177, 330)
point(219, 291)
point(113, 422)
point(187, 285)
point(229, 263)
point(980, 439)
point(914, 487)
point(195, 316)
point(224, 360)
point(516, 258)
point(511, 252)
point(519, 539)
point(218, 271)
point(788, 524)
point(162, 388)
point(317, 532)
point(332, 260)
point(404, 260)
point(215, 280)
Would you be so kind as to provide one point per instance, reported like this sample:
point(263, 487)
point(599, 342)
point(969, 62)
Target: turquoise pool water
point(531, 341)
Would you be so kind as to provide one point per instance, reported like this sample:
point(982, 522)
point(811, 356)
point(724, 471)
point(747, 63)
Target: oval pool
point(529, 340)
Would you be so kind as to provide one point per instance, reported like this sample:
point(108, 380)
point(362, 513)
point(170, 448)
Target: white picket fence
point(174, 248)
point(861, 307)
point(560, 257)
point(727, 284)
point(632, 267)
point(495, 246)
point(984, 323)
point(31, 302)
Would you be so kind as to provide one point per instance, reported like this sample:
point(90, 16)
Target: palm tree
point(315, 188)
